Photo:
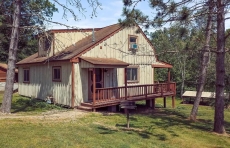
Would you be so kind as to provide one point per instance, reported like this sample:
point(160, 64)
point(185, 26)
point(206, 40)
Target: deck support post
point(94, 109)
point(94, 86)
point(173, 101)
point(112, 108)
point(153, 103)
point(147, 103)
point(126, 84)
point(164, 102)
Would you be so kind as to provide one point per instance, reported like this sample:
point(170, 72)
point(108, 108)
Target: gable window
point(132, 42)
point(26, 75)
point(56, 73)
point(133, 74)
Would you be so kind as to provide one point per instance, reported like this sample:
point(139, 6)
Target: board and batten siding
point(41, 84)
point(81, 84)
point(117, 46)
point(64, 40)
point(60, 41)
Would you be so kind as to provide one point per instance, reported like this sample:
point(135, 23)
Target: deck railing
point(114, 93)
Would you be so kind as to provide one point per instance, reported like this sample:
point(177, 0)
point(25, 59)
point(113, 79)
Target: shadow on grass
point(168, 119)
point(105, 130)
point(29, 105)
point(174, 117)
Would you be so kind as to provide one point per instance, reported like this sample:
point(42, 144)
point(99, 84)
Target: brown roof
point(104, 61)
point(4, 66)
point(33, 59)
point(79, 48)
point(82, 46)
point(73, 30)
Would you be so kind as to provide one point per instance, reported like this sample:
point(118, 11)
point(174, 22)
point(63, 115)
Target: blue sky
point(109, 14)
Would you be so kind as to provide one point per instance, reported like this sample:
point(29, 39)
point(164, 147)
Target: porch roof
point(160, 64)
point(92, 62)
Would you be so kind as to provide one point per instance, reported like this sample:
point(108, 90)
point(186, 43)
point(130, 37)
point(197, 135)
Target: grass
point(25, 105)
point(163, 128)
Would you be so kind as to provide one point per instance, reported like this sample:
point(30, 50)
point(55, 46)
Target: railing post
point(145, 91)
point(94, 87)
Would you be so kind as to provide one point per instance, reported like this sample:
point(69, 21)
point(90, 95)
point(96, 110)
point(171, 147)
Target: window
point(132, 42)
point(26, 75)
point(133, 74)
point(56, 73)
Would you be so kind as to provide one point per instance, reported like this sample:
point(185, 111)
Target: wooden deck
point(113, 95)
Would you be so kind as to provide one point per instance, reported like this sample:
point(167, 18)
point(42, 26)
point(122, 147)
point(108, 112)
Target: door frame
point(90, 81)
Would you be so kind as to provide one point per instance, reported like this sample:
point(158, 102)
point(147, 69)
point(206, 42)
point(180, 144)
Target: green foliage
point(165, 11)
point(185, 58)
point(33, 14)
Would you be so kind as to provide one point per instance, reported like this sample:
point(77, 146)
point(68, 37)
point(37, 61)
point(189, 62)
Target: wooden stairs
point(86, 106)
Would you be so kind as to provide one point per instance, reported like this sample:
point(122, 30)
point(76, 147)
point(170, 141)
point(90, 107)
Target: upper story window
point(133, 74)
point(133, 42)
point(26, 75)
point(56, 74)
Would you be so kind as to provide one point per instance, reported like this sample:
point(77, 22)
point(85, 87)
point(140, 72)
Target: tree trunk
point(220, 69)
point(204, 66)
point(7, 99)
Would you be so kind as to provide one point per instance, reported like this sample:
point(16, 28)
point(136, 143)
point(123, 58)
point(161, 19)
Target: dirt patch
point(49, 115)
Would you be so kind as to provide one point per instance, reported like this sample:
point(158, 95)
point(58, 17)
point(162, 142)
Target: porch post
point(169, 79)
point(73, 84)
point(125, 83)
point(169, 75)
point(94, 86)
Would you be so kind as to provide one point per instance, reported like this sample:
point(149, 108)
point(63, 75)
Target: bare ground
point(49, 115)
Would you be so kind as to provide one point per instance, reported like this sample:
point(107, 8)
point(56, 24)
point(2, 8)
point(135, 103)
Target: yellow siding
point(85, 64)
point(61, 41)
point(81, 84)
point(117, 47)
point(41, 84)
point(64, 40)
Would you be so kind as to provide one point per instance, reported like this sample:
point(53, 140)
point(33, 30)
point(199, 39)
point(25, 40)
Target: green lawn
point(159, 128)
point(24, 105)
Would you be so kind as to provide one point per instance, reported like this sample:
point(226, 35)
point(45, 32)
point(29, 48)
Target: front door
point(99, 81)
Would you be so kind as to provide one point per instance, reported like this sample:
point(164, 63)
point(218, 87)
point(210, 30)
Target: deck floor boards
point(116, 101)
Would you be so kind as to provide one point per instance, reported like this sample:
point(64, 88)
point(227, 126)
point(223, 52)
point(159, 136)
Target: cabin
point(3, 71)
point(94, 68)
